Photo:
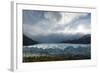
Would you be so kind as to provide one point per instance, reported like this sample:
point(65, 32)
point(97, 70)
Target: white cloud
point(69, 17)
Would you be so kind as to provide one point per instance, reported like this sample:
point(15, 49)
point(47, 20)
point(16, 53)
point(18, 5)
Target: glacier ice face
point(57, 49)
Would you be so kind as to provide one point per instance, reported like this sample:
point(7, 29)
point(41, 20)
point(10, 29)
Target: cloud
point(50, 24)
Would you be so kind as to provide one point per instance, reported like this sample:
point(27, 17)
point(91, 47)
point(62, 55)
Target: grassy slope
point(54, 58)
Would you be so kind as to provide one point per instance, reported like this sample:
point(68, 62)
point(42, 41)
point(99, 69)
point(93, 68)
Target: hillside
point(27, 41)
point(86, 39)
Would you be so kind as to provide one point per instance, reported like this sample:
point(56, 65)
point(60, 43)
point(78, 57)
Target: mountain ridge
point(27, 41)
point(86, 39)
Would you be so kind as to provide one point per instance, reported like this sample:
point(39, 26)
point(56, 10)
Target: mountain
point(86, 39)
point(27, 41)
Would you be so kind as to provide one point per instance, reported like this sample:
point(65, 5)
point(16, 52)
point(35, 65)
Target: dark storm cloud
point(33, 17)
point(30, 17)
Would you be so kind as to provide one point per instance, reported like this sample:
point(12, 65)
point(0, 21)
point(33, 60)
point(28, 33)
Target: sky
point(53, 26)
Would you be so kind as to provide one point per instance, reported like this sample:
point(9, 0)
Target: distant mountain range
point(86, 39)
